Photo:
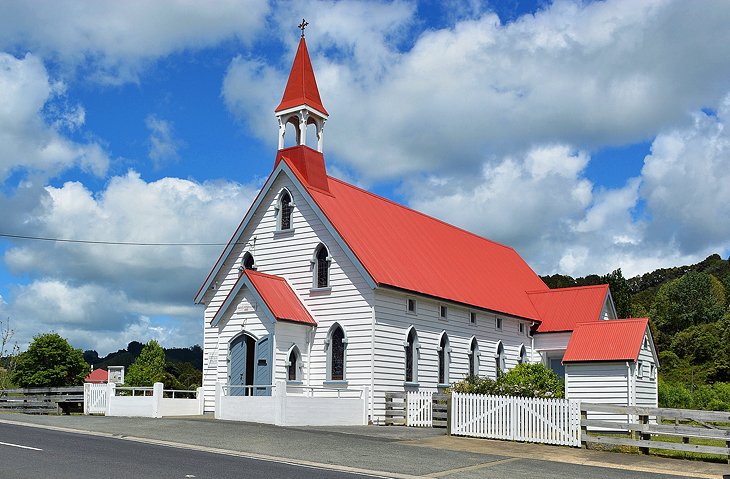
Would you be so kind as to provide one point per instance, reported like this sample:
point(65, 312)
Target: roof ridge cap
point(568, 288)
point(420, 213)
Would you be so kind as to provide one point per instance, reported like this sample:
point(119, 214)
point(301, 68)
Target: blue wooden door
point(237, 365)
point(264, 364)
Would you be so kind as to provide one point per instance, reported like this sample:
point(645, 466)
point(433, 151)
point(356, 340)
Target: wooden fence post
point(583, 427)
point(644, 420)
point(448, 415)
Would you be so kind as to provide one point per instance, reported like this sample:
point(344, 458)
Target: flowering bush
point(525, 380)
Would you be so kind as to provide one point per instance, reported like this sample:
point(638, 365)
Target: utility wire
point(119, 243)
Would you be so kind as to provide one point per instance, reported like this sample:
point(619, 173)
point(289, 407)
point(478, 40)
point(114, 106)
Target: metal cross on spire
point(303, 25)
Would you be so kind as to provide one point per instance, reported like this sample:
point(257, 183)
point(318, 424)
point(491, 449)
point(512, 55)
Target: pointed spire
point(301, 89)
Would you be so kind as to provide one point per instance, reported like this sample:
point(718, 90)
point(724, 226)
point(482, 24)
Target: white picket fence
point(95, 398)
point(419, 409)
point(547, 421)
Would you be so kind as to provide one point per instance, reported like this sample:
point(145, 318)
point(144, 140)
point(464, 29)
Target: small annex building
point(324, 284)
point(612, 362)
point(97, 376)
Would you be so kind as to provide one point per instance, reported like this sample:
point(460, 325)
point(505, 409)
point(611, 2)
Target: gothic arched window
point(336, 356)
point(474, 358)
point(321, 267)
point(499, 359)
point(411, 352)
point(248, 261)
point(285, 209)
point(443, 358)
point(293, 366)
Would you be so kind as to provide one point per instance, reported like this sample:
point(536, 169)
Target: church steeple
point(301, 104)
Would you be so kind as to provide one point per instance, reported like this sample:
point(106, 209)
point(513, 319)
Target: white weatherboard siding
point(392, 325)
point(289, 254)
point(288, 335)
point(243, 315)
point(646, 387)
point(599, 382)
point(552, 341)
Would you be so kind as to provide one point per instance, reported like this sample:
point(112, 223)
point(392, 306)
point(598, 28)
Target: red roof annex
point(405, 249)
point(97, 376)
point(301, 89)
point(562, 309)
point(612, 340)
point(281, 300)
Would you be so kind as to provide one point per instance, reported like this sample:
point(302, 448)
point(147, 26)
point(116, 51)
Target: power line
point(115, 243)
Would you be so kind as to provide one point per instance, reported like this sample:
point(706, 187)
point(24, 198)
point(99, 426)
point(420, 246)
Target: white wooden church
point(325, 284)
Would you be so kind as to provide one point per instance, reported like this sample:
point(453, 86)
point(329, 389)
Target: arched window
point(321, 267)
point(411, 350)
point(285, 209)
point(293, 365)
point(523, 355)
point(500, 364)
point(444, 354)
point(336, 356)
point(474, 358)
point(248, 262)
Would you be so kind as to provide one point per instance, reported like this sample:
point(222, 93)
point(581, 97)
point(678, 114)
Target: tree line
point(689, 314)
point(50, 361)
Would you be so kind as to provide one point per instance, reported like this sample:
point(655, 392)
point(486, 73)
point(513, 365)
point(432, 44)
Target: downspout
point(629, 376)
point(372, 361)
point(310, 342)
point(532, 342)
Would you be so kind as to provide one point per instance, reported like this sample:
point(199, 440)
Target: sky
point(589, 136)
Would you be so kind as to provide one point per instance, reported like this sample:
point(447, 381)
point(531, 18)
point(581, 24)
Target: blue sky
point(590, 136)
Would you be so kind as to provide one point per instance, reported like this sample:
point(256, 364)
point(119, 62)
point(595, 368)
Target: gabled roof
point(280, 300)
point(301, 89)
point(97, 376)
point(563, 308)
point(402, 248)
point(612, 340)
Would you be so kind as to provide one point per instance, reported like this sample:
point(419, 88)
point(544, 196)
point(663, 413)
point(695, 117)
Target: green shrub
point(525, 380)
point(673, 395)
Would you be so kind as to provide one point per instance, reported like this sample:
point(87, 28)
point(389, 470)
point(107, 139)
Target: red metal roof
point(97, 376)
point(301, 89)
point(308, 164)
point(612, 340)
point(563, 308)
point(405, 249)
point(281, 300)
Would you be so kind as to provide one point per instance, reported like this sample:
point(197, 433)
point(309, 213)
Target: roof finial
point(303, 25)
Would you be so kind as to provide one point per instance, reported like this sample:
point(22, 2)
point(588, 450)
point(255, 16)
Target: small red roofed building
point(612, 362)
point(327, 285)
point(97, 376)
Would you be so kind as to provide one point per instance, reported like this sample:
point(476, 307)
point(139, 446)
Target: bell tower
point(301, 104)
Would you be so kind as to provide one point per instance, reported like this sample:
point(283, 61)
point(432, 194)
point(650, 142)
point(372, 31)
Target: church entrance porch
point(250, 363)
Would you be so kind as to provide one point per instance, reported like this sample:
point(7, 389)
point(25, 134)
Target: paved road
point(31, 453)
point(386, 451)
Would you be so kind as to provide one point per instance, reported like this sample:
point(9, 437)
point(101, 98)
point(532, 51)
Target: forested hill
point(125, 357)
point(689, 309)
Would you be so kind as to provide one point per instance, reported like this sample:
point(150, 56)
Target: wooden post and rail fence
point(649, 428)
point(60, 400)
point(562, 422)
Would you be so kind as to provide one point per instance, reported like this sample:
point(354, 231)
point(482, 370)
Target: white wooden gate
point(548, 421)
point(96, 397)
point(419, 409)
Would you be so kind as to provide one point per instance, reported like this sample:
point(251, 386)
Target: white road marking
point(18, 445)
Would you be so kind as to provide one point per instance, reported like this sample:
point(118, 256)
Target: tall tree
point(695, 298)
point(8, 354)
point(620, 292)
point(149, 367)
point(50, 361)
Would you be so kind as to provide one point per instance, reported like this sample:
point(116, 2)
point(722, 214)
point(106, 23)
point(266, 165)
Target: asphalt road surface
point(30, 453)
point(111, 448)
